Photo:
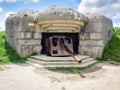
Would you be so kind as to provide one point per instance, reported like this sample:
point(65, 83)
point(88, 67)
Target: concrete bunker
point(27, 32)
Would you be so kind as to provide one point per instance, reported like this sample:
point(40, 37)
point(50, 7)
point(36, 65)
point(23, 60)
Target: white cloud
point(2, 26)
point(1, 1)
point(10, 0)
point(117, 16)
point(9, 13)
point(36, 1)
point(26, 1)
point(116, 24)
point(101, 6)
point(110, 8)
point(1, 9)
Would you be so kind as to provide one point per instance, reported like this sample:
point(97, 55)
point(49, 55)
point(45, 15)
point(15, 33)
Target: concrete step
point(57, 59)
point(62, 63)
point(77, 65)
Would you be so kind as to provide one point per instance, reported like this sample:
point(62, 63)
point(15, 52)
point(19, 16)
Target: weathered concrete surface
point(20, 36)
point(24, 30)
point(48, 61)
point(26, 77)
point(96, 34)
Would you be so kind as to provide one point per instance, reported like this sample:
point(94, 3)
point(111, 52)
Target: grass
point(7, 54)
point(70, 68)
point(54, 79)
point(112, 49)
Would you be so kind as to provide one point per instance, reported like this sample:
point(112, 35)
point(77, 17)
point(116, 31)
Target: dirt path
point(26, 77)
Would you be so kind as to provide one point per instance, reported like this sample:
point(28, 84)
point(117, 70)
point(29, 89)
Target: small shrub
point(7, 54)
point(112, 49)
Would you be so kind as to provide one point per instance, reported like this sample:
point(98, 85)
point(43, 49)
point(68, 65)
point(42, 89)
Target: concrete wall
point(23, 38)
point(97, 32)
point(26, 39)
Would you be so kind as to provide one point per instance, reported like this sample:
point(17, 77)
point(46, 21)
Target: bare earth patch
point(27, 77)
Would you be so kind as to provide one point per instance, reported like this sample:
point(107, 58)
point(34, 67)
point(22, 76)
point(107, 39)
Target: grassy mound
point(7, 54)
point(112, 49)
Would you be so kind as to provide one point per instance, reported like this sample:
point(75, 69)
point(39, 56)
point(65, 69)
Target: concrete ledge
point(50, 58)
point(47, 61)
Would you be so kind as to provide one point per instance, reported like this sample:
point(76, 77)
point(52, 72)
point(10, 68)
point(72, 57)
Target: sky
point(109, 8)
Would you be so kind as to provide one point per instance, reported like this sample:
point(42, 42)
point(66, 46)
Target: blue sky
point(110, 8)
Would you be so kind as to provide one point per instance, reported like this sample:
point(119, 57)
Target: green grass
point(7, 54)
point(71, 68)
point(112, 49)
